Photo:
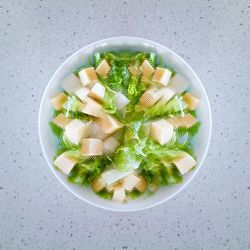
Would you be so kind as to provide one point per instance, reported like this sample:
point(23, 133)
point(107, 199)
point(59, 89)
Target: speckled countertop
point(37, 212)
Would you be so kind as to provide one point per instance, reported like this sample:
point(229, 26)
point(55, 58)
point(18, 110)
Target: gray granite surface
point(37, 212)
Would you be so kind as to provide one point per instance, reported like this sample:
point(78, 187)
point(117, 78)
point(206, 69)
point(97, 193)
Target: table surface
point(37, 212)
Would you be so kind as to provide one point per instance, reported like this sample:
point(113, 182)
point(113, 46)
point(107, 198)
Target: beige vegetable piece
point(98, 184)
point(91, 107)
point(76, 130)
point(178, 83)
point(64, 163)
point(134, 69)
point(167, 94)
point(175, 121)
point(103, 68)
point(113, 186)
point(109, 124)
point(61, 120)
point(130, 182)
point(191, 101)
point(71, 83)
point(162, 76)
point(87, 76)
point(120, 101)
point(188, 120)
point(150, 97)
point(97, 91)
point(146, 68)
point(141, 186)
point(185, 164)
point(161, 131)
point(82, 93)
point(110, 145)
point(95, 131)
point(91, 146)
point(58, 101)
point(119, 195)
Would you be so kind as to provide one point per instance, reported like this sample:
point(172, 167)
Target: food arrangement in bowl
point(125, 124)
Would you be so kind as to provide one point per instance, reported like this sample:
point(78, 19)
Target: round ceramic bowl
point(49, 142)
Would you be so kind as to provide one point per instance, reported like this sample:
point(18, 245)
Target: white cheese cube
point(58, 101)
point(103, 68)
point(146, 68)
point(184, 164)
point(191, 101)
point(110, 145)
point(61, 120)
point(91, 146)
point(161, 131)
point(97, 91)
point(91, 107)
point(98, 184)
point(109, 124)
point(150, 97)
point(119, 195)
point(178, 83)
point(95, 131)
point(188, 120)
point(120, 101)
point(82, 93)
point(114, 175)
point(130, 182)
point(71, 83)
point(162, 76)
point(134, 69)
point(167, 94)
point(76, 130)
point(141, 186)
point(87, 75)
point(64, 163)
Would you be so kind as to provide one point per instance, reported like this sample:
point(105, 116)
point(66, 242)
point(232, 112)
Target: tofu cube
point(191, 101)
point(97, 92)
point(88, 76)
point(185, 164)
point(58, 101)
point(113, 175)
point(146, 68)
point(119, 195)
point(130, 182)
point(64, 163)
point(110, 145)
point(95, 131)
point(103, 68)
point(167, 94)
point(109, 124)
point(120, 101)
point(175, 121)
point(188, 120)
point(162, 76)
point(98, 184)
point(91, 146)
point(178, 83)
point(150, 97)
point(91, 107)
point(82, 93)
point(61, 120)
point(71, 83)
point(141, 186)
point(161, 131)
point(134, 69)
point(76, 130)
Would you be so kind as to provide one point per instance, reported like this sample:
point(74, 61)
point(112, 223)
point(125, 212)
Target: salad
point(125, 125)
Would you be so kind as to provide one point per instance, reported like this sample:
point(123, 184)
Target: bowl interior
point(49, 142)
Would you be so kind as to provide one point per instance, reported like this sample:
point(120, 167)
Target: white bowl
point(49, 142)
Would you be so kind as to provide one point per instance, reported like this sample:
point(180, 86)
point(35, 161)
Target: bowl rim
point(153, 43)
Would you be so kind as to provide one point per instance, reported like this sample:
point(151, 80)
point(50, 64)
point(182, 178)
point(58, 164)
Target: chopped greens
point(127, 148)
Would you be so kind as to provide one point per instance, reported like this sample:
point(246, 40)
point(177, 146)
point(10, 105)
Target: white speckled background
point(36, 212)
